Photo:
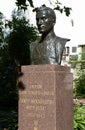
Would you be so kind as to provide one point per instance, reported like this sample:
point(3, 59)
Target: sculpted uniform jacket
point(48, 51)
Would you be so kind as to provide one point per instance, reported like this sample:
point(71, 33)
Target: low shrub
point(79, 117)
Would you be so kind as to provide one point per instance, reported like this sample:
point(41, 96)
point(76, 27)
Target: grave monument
point(45, 87)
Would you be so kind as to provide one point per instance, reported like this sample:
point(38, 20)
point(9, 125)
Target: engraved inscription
point(36, 108)
point(35, 86)
point(36, 100)
point(36, 115)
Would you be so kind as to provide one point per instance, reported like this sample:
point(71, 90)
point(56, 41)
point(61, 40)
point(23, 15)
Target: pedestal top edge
point(50, 67)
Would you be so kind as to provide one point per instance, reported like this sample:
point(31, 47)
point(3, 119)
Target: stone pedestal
point(45, 98)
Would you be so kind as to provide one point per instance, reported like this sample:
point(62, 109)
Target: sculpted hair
point(49, 11)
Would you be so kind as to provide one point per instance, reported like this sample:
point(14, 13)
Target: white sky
point(63, 26)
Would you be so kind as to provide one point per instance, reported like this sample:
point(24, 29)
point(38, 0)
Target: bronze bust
point(50, 48)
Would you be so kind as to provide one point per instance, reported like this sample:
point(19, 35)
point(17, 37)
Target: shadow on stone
point(21, 86)
point(20, 74)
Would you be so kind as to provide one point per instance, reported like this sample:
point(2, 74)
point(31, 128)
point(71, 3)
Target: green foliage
point(83, 56)
point(13, 47)
point(73, 61)
point(8, 88)
point(20, 37)
point(7, 75)
point(74, 57)
point(1, 28)
point(58, 6)
point(8, 84)
point(8, 120)
point(80, 84)
point(12, 122)
point(82, 61)
point(22, 4)
point(79, 117)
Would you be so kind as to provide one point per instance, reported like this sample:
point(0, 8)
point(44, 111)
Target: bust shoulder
point(61, 41)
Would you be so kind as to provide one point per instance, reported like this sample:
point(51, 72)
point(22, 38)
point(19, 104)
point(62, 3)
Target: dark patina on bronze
point(50, 48)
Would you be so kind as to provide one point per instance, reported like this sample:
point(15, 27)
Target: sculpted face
point(44, 20)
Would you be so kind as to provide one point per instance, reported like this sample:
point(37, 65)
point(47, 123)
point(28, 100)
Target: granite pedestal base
point(45, 98)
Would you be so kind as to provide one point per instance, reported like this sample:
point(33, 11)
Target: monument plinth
point(45, 98)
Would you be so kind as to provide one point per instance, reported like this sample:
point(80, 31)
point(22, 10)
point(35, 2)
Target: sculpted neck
point(48, 36)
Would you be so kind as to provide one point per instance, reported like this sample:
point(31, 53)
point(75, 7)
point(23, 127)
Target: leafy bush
point(80, 85)
point(74, 57)
point(79, 117)
point(83, 56)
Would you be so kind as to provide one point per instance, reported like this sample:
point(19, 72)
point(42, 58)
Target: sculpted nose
point(40, 21)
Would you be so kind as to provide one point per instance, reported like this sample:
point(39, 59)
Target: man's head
point(45, 18)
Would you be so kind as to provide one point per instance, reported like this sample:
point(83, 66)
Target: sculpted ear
point(53, 21)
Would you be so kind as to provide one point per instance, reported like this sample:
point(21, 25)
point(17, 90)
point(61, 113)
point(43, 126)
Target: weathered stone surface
point(45, 98)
